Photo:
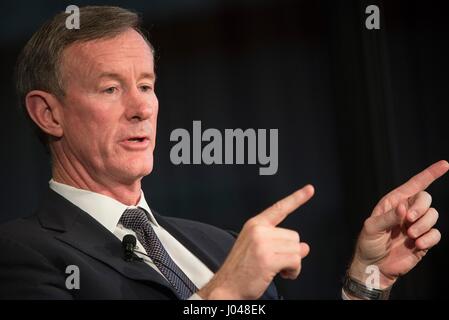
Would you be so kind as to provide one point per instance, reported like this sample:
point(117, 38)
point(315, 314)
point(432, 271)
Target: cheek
point(92, 133)
point(87, 138)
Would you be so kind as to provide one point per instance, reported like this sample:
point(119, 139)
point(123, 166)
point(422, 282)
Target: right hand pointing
point(261, 251)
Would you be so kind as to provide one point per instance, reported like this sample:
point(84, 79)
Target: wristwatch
point(361, 291)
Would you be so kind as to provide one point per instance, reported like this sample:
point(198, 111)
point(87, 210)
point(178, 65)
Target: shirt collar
point(104, 209)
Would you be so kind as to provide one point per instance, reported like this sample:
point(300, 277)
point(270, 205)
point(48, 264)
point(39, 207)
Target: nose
point(139, 106)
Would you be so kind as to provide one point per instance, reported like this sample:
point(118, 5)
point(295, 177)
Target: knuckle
point(296, 236)
point(425, 196)
point(250, 223)
point(368, 225)
point(435, 213)
point(431, 240)
point(437, 235)
point(257, 233)
point(278, 206)
point(296, 260)
point(429, 196)
point(414, 231)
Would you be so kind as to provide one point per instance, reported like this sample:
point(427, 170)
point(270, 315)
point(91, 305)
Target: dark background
point(358, 113)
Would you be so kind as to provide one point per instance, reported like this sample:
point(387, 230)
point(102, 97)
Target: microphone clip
point(129, 245)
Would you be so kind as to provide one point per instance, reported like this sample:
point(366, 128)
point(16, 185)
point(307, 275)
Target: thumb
point(386, 221)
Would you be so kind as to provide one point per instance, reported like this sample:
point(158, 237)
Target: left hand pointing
point(400, 230)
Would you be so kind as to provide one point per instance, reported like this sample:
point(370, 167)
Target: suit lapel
point(79, 230)
point(197, 242)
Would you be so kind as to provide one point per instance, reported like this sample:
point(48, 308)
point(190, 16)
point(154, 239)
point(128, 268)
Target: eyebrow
point(113, 75)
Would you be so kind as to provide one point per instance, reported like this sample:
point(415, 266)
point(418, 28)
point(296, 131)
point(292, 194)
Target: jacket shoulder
point(37, 278)
point(22, 230)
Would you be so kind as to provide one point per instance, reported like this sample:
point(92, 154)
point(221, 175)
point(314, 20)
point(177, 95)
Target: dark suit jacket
point(35, 252)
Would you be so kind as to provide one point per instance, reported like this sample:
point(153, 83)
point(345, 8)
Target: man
point(90, 94)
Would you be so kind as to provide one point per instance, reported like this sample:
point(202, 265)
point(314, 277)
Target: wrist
point(216, 289)
point(364, 273)
point(355, 290)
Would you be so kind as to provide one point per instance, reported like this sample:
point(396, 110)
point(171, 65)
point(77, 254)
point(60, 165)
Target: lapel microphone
point(129, 245)
point(129, 250)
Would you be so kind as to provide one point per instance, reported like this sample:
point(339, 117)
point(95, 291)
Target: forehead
point(118, 53)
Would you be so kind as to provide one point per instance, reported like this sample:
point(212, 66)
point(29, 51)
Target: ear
point(45, 110)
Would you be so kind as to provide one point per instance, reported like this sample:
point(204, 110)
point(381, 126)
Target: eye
point(110, 90)
point(146, 88)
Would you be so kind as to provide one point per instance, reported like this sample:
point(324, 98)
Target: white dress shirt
point(108, 211)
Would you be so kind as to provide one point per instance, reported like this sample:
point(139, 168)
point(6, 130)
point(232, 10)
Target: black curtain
point(358, 111)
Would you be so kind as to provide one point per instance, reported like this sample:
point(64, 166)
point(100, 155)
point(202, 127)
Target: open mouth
point(137, 139)
point(136, 143)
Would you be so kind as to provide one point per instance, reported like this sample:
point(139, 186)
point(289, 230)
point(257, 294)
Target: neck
point(126, 192)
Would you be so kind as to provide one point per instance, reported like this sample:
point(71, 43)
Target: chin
point(148, 170)
point(141, 168)
point(131, 166)
point(131, 177)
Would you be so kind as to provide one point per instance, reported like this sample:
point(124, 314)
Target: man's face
point(110, 108)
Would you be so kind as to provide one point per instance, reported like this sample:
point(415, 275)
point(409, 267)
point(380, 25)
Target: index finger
point(281, 209)
point(423, 179)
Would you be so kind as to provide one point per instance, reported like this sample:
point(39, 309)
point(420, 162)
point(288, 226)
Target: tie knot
point(134, 218)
